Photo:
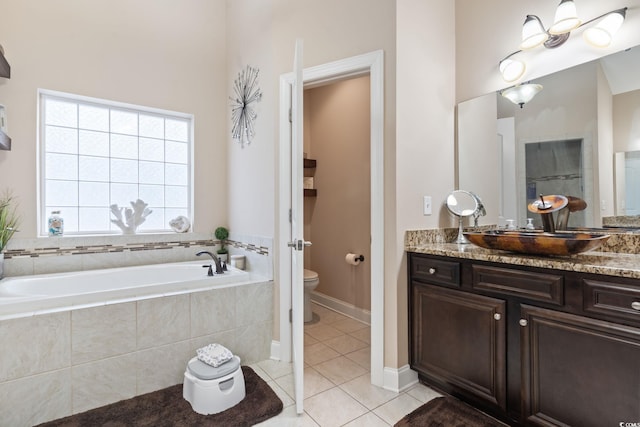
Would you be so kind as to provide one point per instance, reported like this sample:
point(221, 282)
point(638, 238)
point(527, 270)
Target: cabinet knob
point(432, 270)
point(523, 322)
point(497, 316)
point(635, 305)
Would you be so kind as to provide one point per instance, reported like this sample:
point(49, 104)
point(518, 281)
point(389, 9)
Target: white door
point(297, 242)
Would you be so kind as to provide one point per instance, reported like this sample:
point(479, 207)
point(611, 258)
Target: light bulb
point(602, 34)
point(566, 18)
point(533, 33)
point(512, 69)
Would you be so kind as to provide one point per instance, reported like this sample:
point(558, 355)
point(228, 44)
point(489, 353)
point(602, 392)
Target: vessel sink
point(537, 242)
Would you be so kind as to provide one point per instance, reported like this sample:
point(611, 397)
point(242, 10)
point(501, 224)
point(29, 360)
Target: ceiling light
point(602, 34)
point(566, 18)
point(533, 33)
point(521, 94)
point(512, 69)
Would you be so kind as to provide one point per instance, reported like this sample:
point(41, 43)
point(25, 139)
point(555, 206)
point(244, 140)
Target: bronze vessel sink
point(537, 242)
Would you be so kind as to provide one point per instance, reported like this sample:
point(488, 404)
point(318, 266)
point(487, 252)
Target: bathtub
point(30, 295)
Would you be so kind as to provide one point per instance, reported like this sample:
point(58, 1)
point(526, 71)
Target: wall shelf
point(310, 164)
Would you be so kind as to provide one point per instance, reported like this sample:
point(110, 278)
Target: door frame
point(371, 63)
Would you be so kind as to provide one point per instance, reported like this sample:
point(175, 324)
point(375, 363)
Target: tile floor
point(337, 385)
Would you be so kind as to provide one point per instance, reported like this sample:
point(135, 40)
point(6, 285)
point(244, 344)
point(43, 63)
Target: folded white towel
point(214, 354)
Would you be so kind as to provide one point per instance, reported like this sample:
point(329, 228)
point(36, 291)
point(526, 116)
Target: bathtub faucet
point(219, 268)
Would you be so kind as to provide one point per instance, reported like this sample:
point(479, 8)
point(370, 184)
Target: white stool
point(211, 390)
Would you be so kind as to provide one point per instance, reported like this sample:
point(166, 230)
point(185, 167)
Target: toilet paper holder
point(354, 259)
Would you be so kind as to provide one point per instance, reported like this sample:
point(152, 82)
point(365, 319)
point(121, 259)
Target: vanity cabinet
point(531, 346)
point(459, 339)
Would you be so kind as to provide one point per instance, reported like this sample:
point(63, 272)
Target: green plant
point(9, 219)
point(222, 234)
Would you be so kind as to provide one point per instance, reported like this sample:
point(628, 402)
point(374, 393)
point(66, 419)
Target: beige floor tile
point(324, 332)
point(367, 394)
point(309, 340)
point(286, 384)
point(333, 407)
point(326, 315)
point(367, 420)
point(363, 334)
point(423, 393)
point(393, 411)
point(318, 353)
point(289, 418)
point(314, 383)
point(349, 325)
point(345, 344)
point(340, 370)
point(362, 357)
point(275, 369)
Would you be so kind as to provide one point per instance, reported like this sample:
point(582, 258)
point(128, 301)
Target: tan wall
point(263, 33)
point(626, 121)
point(339, 218)
point(424, 155)
point(160, 54)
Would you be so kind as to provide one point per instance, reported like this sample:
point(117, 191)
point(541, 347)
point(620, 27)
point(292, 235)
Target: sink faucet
point(480, 210)
point(574, 204)
point(219, 268)
point(545, 207)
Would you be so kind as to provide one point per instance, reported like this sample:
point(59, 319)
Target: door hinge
point(290, 315)
point(290, 116)
point(290, 215)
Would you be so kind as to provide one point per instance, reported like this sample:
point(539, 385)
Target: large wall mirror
point(579, 136)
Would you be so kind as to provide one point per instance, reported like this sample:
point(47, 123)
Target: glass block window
point(95, 153)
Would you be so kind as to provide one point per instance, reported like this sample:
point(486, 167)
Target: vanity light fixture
point(602, 34)
point(521, 94)
point(566, 20)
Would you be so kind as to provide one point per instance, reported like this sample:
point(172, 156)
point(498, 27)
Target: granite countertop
point(596, 262)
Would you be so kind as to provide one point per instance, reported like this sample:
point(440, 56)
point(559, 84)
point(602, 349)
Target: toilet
point(211, 390)
point(311, 281)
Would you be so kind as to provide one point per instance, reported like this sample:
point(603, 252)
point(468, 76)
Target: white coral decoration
point(132, 217)
point(180, 224)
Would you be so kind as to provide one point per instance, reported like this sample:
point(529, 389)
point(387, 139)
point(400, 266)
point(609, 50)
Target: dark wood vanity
point(529, 345)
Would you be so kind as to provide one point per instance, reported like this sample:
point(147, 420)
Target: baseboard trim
point(399, 379)
point(342, 307)
point(275, 350)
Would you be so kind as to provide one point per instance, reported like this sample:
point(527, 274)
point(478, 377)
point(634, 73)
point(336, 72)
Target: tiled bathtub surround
point(53, 365)
point(77, 253)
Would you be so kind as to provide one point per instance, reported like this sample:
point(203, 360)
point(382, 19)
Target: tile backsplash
point(77, 253)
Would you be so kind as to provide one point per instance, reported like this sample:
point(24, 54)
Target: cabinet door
point(458, 342)
point(578, 371)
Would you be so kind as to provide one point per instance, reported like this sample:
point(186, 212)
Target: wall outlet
point(426, 205)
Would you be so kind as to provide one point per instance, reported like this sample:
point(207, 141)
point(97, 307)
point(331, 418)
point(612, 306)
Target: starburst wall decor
point(243, 114)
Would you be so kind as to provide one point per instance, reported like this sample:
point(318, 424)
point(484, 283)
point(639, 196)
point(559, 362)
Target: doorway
point(337, 209)
point(371, 64)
